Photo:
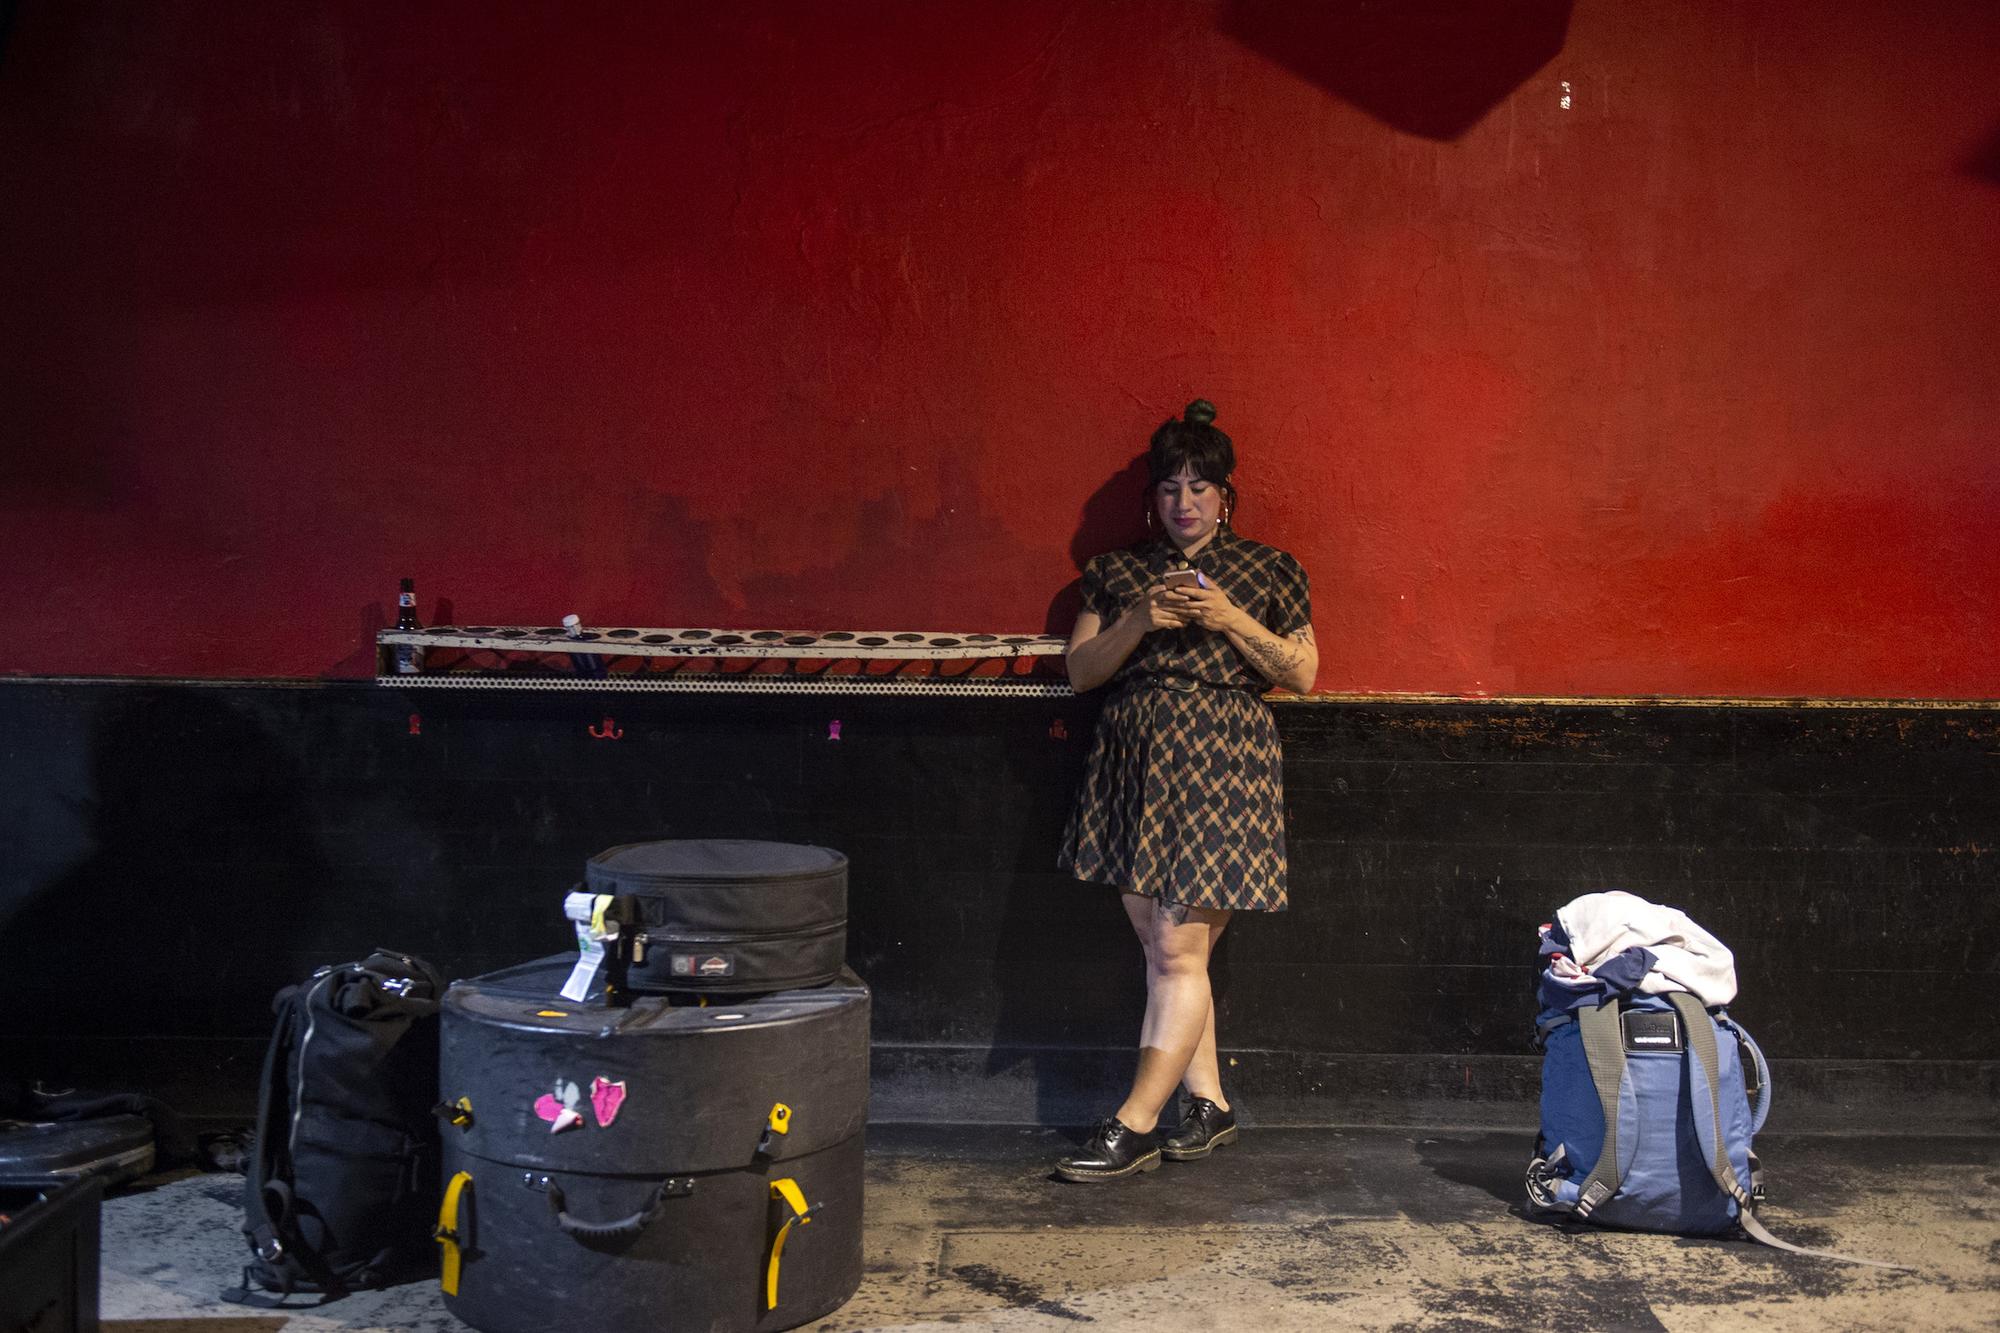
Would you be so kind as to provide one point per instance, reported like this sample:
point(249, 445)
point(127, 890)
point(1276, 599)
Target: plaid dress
point(1182, 797)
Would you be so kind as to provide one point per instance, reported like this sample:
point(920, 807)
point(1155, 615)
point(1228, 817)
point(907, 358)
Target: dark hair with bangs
point(1192, 442)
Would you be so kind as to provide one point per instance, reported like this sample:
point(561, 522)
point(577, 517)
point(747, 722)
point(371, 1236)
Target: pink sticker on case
point(605, 1098)
point(559, 1108)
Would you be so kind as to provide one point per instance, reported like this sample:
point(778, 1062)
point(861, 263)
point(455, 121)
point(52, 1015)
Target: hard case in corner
point(116, 1147)
point(49, 1247)
point(672, 1164)
point(726, 916)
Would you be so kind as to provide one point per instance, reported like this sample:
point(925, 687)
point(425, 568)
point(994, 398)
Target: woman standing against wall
point(1182, 808)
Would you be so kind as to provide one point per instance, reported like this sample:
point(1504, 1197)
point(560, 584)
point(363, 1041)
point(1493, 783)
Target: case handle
point(447, 1232)
point(673, 1187)
point(787, 1192)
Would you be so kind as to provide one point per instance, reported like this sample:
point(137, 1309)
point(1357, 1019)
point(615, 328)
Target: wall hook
point(611, 731)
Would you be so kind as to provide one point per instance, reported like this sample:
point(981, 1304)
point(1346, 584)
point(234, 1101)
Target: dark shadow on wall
point(1072, 983)
point(1113, 516)
point(195, 893)
point(365, 660)
point(1067, 971)
point(1433, 68)
point(1985, 164)
point(1078, 1031)
point(1084, 1036)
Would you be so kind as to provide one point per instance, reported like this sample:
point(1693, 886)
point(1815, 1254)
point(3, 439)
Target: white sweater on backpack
point(1601, 926)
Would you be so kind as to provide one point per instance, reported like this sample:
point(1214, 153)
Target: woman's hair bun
point(1199, 412)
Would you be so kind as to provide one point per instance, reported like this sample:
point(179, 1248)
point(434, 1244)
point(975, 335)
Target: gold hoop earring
point(1152, 520)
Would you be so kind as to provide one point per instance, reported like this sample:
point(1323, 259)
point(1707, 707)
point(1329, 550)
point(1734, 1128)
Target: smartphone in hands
point(1184, 578)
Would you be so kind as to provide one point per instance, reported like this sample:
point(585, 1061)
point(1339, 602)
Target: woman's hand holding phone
point(1160, 609)
point(1198, 602)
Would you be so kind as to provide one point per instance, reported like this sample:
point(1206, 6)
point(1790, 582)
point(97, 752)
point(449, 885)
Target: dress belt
point(1185, 684)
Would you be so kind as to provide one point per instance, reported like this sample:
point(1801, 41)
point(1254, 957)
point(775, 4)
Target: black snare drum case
point(668, 1165)
point(725, 916)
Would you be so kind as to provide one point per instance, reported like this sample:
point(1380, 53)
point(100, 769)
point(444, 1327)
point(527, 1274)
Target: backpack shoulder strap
point(270, 1222)
point(1707, 1065)
point(274, 1102)
point(1698, 1031)
point(264, 1166)
point(1604, 1049)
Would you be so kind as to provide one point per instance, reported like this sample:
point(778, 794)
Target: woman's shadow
point(1114, 516)
point(1069, 972)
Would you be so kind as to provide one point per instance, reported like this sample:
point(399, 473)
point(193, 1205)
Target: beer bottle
point(590, 666)
point(408, 657)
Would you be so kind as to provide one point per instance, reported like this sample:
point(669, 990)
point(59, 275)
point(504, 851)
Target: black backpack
point(343, 1177)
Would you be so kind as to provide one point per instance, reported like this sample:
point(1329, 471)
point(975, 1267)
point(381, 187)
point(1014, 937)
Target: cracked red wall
point(783, 314)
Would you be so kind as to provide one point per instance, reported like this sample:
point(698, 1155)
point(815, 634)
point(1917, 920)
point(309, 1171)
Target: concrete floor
point(1289, 1229)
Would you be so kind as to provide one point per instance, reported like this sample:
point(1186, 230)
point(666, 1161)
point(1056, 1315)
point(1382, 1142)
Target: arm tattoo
point(1272, 657)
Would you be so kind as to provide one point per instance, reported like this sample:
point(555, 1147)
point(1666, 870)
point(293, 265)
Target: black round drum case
point(678, 1163)
point(723, 916)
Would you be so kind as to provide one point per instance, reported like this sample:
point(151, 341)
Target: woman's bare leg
point(1204, 1073)
point(1179, 1012)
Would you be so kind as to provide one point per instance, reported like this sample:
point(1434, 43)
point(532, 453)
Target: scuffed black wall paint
point(172, 854)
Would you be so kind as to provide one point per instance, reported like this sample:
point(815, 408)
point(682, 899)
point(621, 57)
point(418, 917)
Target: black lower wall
point(171, 854)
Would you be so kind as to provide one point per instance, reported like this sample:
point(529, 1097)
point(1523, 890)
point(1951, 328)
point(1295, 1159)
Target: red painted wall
point(856, 314)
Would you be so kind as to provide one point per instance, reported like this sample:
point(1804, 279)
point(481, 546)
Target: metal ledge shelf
point(763, 661)
point(740, 683)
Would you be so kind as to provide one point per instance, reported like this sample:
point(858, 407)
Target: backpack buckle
point(1543, 1173)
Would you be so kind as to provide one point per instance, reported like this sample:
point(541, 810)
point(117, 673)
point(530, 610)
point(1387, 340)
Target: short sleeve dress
point(1183, 797)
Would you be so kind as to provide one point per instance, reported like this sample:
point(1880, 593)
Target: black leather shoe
point(1111, 1152)
point(1206, 1128)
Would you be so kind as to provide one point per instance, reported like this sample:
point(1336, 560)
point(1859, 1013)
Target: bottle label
point(406, 599)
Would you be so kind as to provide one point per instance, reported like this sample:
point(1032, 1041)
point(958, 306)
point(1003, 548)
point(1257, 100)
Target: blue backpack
point(1649, 1106)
